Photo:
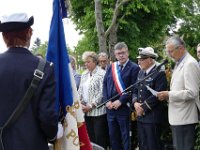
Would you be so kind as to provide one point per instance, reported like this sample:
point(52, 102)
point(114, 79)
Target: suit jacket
point(184, 92)
point(94, 91)
point(38, 122)
point(129, 76)
point(153, 108)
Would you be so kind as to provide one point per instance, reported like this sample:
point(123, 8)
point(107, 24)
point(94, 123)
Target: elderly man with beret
point(148, 108)
point(37, 123)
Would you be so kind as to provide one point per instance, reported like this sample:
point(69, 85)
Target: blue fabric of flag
point(57, 53)
point(63, 9)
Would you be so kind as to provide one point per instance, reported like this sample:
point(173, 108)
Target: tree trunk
point(111, 32)
point(112, 41)
point(100, 27)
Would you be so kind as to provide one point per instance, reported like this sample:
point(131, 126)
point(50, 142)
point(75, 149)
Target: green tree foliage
point(36, 45)
point(84, 45)
point(140, 23)
point(42, 49)
point(190, 26)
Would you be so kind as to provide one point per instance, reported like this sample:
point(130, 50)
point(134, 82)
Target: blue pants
point(149, 136)
point(183, 137)
point(118, 131)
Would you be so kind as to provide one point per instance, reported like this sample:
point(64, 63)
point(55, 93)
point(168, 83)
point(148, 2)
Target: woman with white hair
point(90, 91)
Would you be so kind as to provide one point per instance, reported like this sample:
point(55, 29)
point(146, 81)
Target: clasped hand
point(139, 110)
point(113, 105)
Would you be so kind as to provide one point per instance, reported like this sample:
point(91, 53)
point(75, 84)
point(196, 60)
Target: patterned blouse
point(94, 93)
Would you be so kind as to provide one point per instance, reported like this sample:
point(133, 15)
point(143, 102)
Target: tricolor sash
point(119, 84)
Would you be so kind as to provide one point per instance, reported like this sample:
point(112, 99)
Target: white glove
point(60, 131)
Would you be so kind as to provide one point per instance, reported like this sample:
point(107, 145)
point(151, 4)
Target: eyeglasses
point(171, 51)
point(102, 61)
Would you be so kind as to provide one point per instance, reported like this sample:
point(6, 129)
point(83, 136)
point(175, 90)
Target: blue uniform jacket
point(129, 76)
point(154, 109)
point(38, 122)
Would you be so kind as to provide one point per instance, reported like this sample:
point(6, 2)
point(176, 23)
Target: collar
point(18, 50)
point(124, 65)
point(93, 71)
point(150, 68)
point(19, 46)
point(74, 72)
point(181, 59)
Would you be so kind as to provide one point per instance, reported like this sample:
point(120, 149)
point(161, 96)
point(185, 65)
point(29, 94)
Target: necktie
point(121, 68)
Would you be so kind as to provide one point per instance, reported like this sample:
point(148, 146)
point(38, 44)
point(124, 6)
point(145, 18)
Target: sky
point(42, 12)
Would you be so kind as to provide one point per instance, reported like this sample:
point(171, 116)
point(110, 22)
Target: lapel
point(125, 68)
point(94, 74)
point(152, 70)
point(86, 74)
point(179, 67)
point(152, 76)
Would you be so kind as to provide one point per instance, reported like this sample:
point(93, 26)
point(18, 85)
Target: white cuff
point(60, 131)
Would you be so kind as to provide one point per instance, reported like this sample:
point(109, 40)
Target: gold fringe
point(57, 145)
point(133, 116)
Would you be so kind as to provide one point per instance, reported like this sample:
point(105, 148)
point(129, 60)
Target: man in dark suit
point(38, 122)
point(120, 75)
point(149, 110)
